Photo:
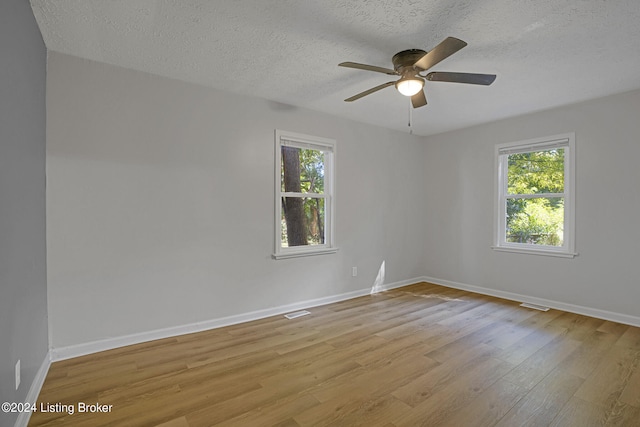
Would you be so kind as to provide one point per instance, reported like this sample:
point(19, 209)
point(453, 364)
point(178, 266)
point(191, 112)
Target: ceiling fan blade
point(370, 91)
point(419, 100)
point(446, 48)
point(368, 68)
point(469, 78)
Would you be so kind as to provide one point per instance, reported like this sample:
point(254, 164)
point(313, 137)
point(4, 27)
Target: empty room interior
point(340, 213)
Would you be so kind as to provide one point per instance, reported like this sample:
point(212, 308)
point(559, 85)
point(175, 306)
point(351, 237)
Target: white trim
point(328, 146)
point(317, 250)
point(400, 284)
point(543, 252)
point(558, 305)
point(535, 196)
point(69, 352)
point(535, 144)
point(309, 195)
point(300, 140)
point(501, 151)
point(63, 353)
point(34, 390)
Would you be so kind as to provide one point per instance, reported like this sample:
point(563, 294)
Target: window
point(535, 196)
point(304, 180)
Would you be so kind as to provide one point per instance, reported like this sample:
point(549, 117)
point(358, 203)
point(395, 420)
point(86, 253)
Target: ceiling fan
point(410, 64)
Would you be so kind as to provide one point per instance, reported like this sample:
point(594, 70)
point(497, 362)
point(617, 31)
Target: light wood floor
point(419, 355)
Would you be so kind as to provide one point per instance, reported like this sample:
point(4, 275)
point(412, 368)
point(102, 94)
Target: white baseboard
point(68, 352)
point(572, 308)
point(110, 343)
point(400, 284)
point(34, 390)
point(83, 349)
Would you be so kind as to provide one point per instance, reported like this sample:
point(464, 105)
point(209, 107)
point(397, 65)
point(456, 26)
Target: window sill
point(535, 251)
point(297, 254)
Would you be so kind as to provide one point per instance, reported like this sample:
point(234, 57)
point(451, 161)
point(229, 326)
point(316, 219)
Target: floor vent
point(534, 306)
point(297, 314)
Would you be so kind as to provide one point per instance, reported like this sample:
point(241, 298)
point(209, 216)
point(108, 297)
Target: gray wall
point(160, 207)
point(23, 289)
point(459, 231)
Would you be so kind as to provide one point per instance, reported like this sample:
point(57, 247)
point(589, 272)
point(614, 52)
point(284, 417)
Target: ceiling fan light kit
point(409, 86)
point(409, 64)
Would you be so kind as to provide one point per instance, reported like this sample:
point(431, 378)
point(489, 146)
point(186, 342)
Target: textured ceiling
point(546, 53)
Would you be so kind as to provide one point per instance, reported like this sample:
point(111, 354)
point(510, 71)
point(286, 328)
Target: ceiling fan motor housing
point(403, 62)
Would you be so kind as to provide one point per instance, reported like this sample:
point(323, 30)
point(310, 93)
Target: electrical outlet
point(18, 374)
point(354, 271)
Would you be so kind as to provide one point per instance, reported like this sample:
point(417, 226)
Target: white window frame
point(502, 151)
point(328, 146)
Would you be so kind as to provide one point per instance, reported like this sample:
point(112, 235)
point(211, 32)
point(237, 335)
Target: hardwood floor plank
point(631, 393)
point(508, 330)
point(365, 331)
point(613, 328)
point(287, 423)
point(532, 370)
point(579, 413)
point(358, 411)
point(220, 411)
point(528, 345)
point(577, 326)
point(375, 379)
point(429, 383)
point(504, 333)
point(489, 407)
point(608, 381)
point(540, 406)
point(624, 416)
point(393, 348)
point(445, 403)
point(275, 413)
point(630, 339)
point(418, 355)
point(589, 355)
point(176, 422)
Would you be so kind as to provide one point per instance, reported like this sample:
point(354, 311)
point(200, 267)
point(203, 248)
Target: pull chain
point(410, 118)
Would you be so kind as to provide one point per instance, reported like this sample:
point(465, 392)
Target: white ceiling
point(545, 53)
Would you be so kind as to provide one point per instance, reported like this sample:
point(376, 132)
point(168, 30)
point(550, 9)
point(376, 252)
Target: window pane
point(536, 172)
point(303, 221)
point(302, 170)
point(537, 221)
